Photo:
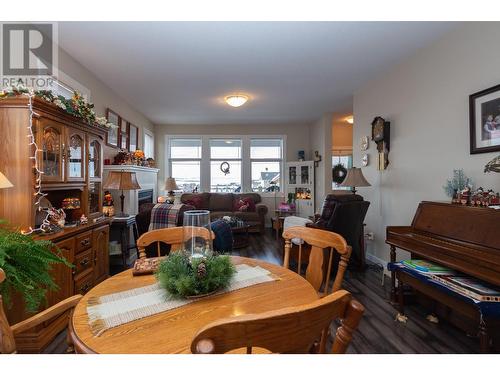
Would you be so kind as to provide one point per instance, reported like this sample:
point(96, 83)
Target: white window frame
point(229, 160)
point(246, 162)
point(272, 160)
point(170, 159)
point(152, 135)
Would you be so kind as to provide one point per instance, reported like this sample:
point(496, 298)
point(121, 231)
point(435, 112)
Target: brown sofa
point(222, 204)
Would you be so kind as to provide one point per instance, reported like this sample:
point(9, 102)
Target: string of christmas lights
point(39, 194)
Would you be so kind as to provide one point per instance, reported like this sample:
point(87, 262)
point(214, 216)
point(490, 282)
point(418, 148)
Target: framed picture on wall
point(113, 131)
point(133, 137)
point(124, 134)
point(484, 117)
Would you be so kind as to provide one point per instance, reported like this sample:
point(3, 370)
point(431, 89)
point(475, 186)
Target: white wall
point(321, 140)
point(103, 97)
point(426, 100)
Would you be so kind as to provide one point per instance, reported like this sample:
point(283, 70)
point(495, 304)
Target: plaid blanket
point(164, 215)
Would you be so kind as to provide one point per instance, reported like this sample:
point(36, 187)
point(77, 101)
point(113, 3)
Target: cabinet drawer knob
point(85, 242)
point(84, 262)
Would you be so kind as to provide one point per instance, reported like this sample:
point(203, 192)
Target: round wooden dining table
point(172, 331)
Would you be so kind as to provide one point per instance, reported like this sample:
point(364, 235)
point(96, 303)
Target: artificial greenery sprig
point(183, 276)
point(27, 264)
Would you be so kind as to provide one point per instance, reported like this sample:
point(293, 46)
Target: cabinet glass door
point(292, 175)
point(304, 174)
point(76, 156)
point(94, 198)
point(95, 159)
point(51, 145)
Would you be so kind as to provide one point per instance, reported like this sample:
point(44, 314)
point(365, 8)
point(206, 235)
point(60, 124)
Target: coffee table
point(240, 235)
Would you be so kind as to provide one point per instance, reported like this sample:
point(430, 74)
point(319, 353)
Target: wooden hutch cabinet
point(71, 158)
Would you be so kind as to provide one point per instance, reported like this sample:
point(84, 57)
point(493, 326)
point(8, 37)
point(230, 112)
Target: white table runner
point(115, 309)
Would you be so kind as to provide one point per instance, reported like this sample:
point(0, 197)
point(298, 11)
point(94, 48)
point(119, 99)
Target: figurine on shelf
point(151, 162)
point(83, 220)
point(465, 196)
point(108, 208)
point(138, 156)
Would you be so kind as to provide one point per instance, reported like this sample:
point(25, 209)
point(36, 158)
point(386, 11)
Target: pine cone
point(201, 271)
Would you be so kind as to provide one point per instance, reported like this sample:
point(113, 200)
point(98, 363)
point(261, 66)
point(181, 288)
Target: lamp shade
point(4, 182)
point(121, 181)
point(355, 178)
point(170, 184)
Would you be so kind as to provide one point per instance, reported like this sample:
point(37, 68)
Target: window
point(225, 165)
point(149, 145)
point(266, 161)
point(346, 162)
point(185, 163)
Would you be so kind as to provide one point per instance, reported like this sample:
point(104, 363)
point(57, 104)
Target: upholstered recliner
point(344, 213)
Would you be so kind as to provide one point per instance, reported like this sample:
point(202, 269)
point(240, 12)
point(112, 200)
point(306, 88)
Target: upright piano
point(464, 238)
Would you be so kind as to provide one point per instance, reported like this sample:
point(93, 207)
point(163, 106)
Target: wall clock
point(365, 143)
point(381, 136)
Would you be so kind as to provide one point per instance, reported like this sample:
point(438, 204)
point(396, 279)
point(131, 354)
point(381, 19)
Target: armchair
point(344, 213)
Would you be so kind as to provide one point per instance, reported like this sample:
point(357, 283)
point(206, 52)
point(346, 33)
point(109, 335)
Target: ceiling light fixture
point(350, 119)
point(236, 100)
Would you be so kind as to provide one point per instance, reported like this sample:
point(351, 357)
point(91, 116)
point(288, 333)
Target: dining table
point(172, 331)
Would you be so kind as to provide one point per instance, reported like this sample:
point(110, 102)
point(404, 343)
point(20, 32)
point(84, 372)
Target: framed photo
point(133, 137)
point(484, 117)
point(124, 134)
point(113, 132)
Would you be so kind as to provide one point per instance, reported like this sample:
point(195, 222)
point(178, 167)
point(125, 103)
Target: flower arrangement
point(183, 276)
point(76, 106)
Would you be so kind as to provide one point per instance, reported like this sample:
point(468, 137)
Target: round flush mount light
point(236, 100)
point(350, 119)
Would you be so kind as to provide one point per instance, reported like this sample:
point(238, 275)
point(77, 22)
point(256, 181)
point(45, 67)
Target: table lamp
point(4, 182)
point(354, 178)
point(121, 180)
point(170, 186)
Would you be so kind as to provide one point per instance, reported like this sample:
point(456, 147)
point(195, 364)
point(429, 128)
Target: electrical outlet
point(370, 236)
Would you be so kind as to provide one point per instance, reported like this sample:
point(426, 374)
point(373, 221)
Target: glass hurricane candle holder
point(197, 233)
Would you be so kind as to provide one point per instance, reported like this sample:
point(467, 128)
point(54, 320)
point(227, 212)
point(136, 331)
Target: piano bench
point(445, 296)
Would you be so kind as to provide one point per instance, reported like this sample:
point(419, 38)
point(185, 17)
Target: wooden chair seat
point(288, 330)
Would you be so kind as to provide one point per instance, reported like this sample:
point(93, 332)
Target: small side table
point(120, 229)
point(277, 225)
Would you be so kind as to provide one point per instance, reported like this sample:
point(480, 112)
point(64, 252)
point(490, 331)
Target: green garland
point(27, 265)
point(77, 106)
point(183, 276)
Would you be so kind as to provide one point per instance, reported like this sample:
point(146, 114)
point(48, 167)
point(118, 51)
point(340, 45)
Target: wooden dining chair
point(8, 333)
point(288, 330)
point(170, 236)
point(319, 240)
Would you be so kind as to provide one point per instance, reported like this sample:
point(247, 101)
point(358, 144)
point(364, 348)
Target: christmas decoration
point(458, 183)
point(76, 106)
point(184, 276)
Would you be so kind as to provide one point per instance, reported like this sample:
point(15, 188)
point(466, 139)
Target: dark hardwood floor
point(378, 332)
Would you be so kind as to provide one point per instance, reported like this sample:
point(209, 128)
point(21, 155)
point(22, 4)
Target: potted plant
point(27, 264)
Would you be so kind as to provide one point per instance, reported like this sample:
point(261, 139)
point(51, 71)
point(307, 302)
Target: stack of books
point(426, 267)
point(462, 284)
point(470, 287)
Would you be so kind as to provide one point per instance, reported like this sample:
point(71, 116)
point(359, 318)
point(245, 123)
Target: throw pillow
point(244, 205)
point(196, 202)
